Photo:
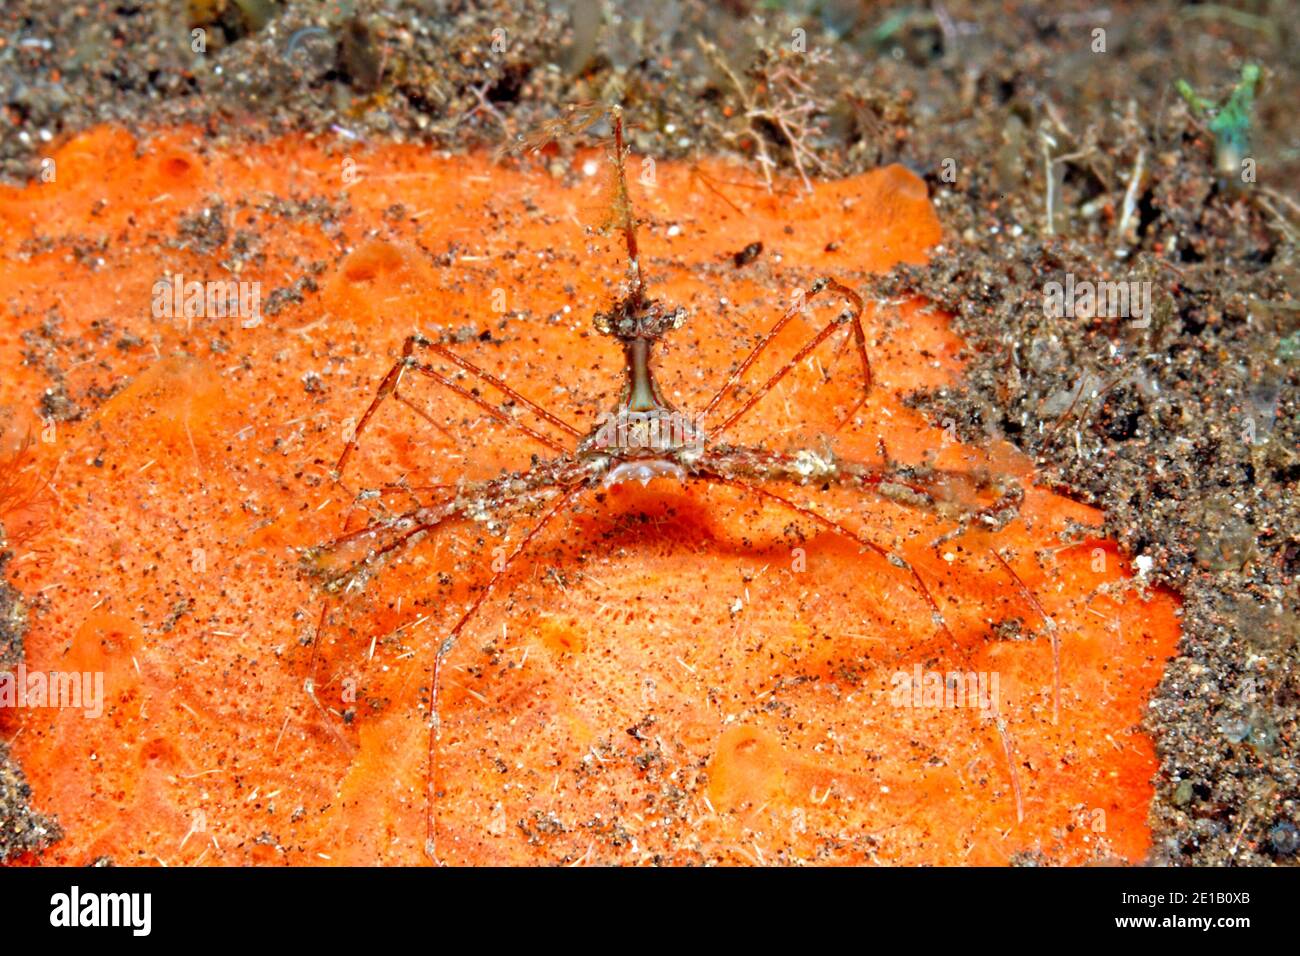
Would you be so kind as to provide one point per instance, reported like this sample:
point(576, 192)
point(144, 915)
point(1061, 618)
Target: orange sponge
point(679, 674)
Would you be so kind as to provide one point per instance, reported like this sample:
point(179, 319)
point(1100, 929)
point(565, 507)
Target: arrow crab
point(644, 438)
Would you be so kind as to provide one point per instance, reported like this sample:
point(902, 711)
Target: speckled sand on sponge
point(661, 680)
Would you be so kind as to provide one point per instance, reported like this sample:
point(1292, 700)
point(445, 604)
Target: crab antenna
point(623, 205)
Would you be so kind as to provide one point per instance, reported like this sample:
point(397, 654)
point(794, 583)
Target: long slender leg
point(830, 328)
point(373, 528)
point(435, 727)
point(401, 488)
point(478, 498)
point(391, 381)
point(899, 562)
point(446, 433)
point(700, 176)
point(859, 337)
point(896, 560)
point(928, 487)
point(374, 556)
point(1051, 631)
point(1009, 751)
point(386, 388)
point(783, 466)
point(860, 344)
point(787, 467)
point(1065, 415)
point(309, 685)
point(383, 491)
point(915, 488)
point(430, 372)
point(491, 379)
point(423, 519)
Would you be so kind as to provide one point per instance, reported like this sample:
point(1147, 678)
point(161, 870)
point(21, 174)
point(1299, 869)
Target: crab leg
point(854, 316)
point(435, 727)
